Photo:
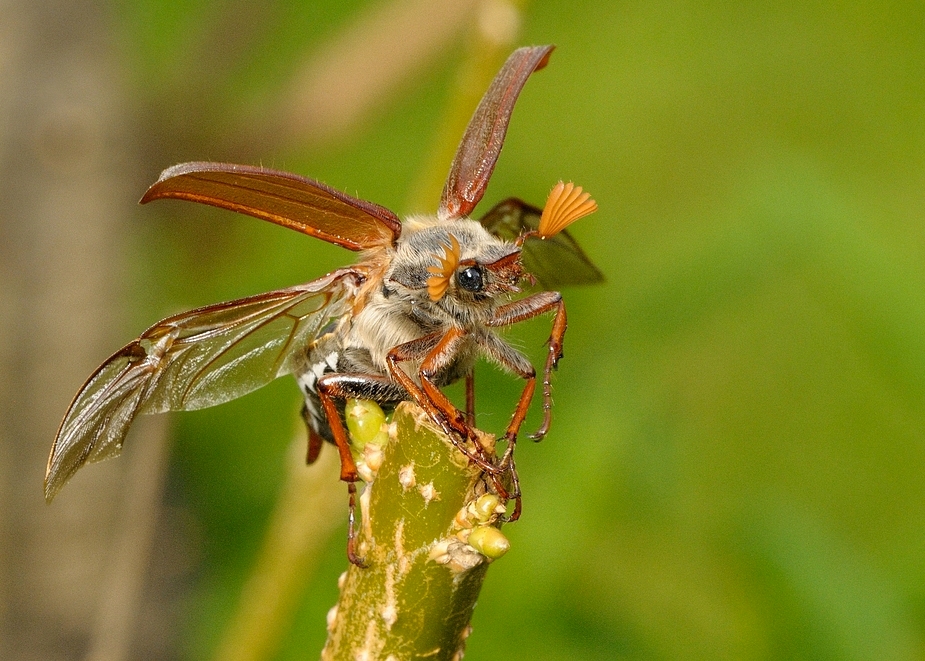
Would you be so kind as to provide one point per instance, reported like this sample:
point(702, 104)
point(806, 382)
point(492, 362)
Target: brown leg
point(315, 442)
point(440, 356)
point(437, 351)
point(332, 387)
point(348, 473)
point(556, 337)
point(470, 398)
point(516, 362)
point(527, 308)
point(339, 387)
point(348, 469)
point(515, 490)
point(351, 526)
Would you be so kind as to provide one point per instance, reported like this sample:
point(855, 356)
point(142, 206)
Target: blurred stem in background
point(489, 42)
point(311, 506)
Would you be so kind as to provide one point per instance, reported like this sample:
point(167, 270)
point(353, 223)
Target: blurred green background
point(736, 468)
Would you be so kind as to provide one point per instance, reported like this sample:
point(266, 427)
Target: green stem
point(414, 599)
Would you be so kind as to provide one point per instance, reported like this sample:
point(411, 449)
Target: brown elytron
point(410, 317)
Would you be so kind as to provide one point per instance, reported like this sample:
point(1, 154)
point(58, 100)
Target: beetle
point(422, 303)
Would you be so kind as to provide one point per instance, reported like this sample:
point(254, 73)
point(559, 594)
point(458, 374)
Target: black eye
point(470, 279)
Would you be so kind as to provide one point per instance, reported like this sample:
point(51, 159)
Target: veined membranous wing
point(194, 360)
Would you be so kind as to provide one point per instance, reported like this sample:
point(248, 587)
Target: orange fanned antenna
point(566, 204)
point(440, 281)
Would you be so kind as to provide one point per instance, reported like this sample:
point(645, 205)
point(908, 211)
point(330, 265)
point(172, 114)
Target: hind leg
point(340, 387)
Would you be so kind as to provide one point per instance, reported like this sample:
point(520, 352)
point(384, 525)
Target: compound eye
point(470, 279)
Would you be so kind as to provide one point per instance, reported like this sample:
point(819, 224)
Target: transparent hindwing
point(194, 360)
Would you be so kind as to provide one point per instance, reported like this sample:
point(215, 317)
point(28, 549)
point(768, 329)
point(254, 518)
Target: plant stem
point(415, 597)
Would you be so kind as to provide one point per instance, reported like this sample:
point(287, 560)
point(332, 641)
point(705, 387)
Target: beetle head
point(456, 266)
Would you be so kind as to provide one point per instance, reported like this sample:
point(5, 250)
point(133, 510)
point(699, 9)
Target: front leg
point(527, 308)
point(437, 351)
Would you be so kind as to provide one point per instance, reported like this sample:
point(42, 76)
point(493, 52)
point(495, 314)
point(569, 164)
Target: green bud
point(485, 506)
point(364, 420)
point(489, 541)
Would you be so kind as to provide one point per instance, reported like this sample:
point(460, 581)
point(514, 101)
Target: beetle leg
point(516, 362)
point(351, 526)
point(440, 356)
point(527, 308)
point(436, 351)
point(515, 490)
point(333, 387)
point(470, 398)
point(418, 349)
point(315, 442)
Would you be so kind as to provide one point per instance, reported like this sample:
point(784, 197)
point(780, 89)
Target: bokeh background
point(737, 464)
